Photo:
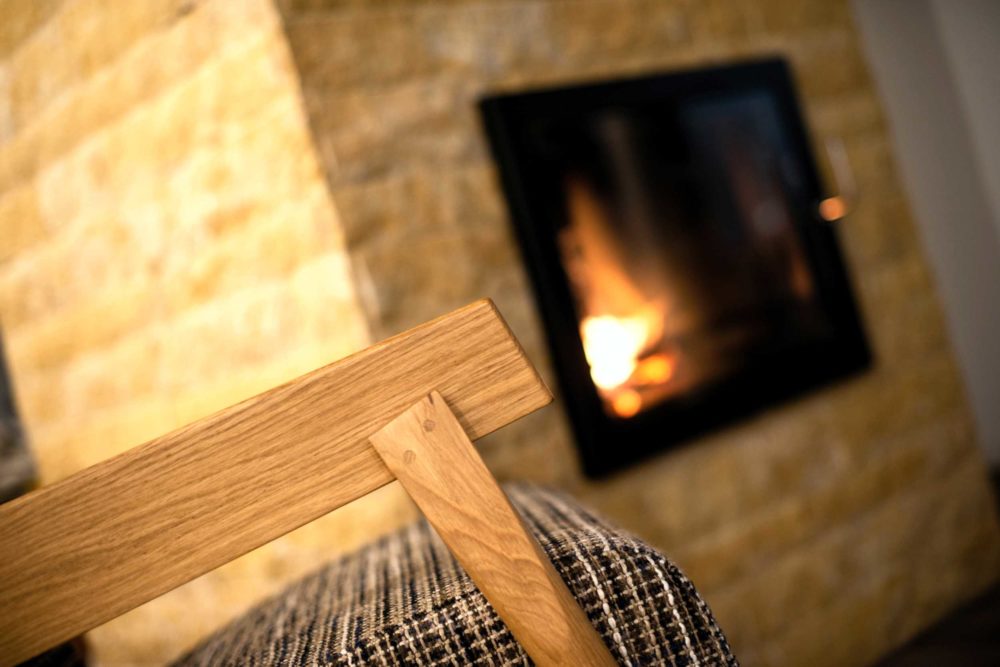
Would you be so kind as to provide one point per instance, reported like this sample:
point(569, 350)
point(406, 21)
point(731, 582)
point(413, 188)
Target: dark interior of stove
point(671, 230)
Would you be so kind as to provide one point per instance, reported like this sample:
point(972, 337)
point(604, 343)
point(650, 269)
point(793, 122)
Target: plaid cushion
point(405, 600)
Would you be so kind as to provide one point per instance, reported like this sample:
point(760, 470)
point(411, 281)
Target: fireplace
point(670, 225)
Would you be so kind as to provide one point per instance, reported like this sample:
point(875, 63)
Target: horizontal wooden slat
point(80, 552)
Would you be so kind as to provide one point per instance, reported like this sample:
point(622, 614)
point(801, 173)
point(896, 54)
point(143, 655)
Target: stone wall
point(167, 247)
point(170, 245)
point(824, 532)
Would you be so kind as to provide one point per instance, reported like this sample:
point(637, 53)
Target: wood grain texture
point(428, 451)
point(80, 552)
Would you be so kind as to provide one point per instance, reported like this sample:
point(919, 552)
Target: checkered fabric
point(404, 600)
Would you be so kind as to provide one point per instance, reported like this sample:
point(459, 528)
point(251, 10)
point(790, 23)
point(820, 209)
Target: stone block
point(418, 289)
point(791, 17)
point(722, 22)
point(333, 323)
point(86, 387)
point(276, 240)
point(827, 64)
point(870, 156)
point(95, 320)
point(374, 133)
point(326, 47)
point(879, 602)
point(859, 565)
point(857, 112)
point(21, 223)
point(484, 38)
point(6, 113)
point(22, 18)
point(838, 496)
point(879, 230)
point(598, 39)
point(29, 286)
point(48, 63)
point(916, 332)
point(139, 74)
point(887, 403)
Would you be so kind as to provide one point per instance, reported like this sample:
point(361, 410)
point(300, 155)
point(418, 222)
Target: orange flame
point(656, 369)
point(612, 346)
point(627, 404)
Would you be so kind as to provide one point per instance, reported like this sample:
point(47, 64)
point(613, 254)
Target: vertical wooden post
point(427, 449)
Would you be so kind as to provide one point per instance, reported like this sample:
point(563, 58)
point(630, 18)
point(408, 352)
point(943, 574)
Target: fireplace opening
point(670, 225)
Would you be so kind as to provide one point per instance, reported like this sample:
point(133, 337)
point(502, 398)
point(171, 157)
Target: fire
point(627, 403)
point(612, 346)
point(656, 369)
point(622, 324)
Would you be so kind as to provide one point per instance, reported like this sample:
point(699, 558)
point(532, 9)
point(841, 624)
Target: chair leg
point(430, 453)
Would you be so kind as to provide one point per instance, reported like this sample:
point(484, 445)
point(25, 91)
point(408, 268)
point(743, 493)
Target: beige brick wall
point(168, 246)
point(824, 532)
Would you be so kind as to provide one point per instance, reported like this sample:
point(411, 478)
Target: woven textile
point(404, 600)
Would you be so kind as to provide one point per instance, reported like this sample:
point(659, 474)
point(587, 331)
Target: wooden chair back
point(109, 538)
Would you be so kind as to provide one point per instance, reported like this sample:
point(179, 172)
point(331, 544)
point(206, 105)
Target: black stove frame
point(605, 443)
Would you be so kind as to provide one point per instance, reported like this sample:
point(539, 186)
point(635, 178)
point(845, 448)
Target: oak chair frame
point(80, 552)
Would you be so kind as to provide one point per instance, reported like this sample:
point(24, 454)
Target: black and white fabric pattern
point(404, 600)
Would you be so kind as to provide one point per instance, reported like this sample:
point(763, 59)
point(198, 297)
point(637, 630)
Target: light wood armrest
point(78, 553)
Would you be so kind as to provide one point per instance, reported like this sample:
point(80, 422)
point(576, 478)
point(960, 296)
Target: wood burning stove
point(670, 228)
